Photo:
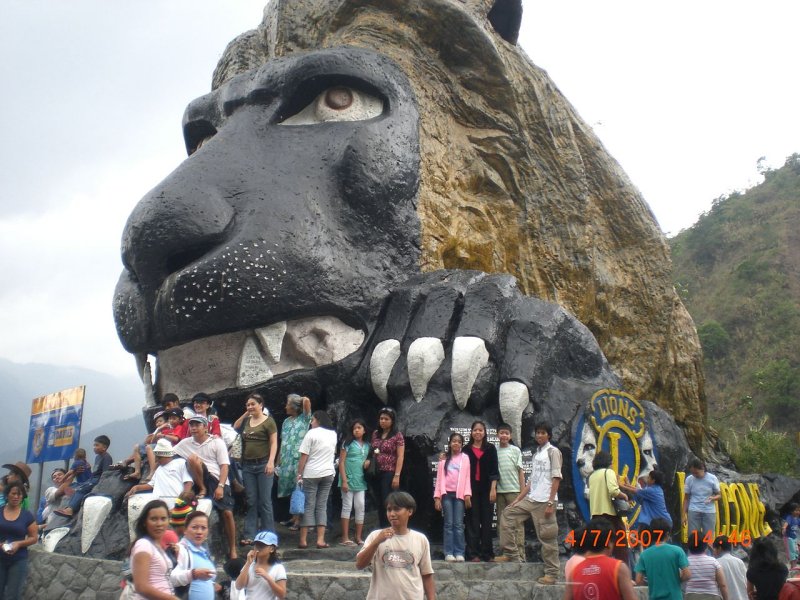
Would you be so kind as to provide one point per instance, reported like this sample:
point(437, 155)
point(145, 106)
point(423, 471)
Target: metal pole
point(35, 504)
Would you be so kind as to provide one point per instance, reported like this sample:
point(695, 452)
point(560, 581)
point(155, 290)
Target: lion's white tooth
point(424, 357)
point(144, 370)
point(135, 505)
point(271, 339)
point(95, 511)
point(514, 398)
point(149, 391)
point(381, 364)
point(253, 368)
point(141, 361)
point(52, 537)
point(469, 357)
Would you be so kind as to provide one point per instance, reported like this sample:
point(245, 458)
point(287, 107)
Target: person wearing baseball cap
point(209, 465)
point(263, 574)
point(170, 478)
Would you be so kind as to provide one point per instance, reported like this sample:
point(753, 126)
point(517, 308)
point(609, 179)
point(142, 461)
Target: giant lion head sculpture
point(360, 176)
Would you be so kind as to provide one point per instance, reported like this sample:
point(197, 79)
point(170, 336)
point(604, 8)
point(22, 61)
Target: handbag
point(621, 507)
point(128, 591)
point(372, 469)
point(297, 503)
point(182, 591)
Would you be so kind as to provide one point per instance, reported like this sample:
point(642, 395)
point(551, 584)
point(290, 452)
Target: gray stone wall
point(62, 577)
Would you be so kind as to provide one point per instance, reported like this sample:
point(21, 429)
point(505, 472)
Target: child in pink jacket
point(452, 495)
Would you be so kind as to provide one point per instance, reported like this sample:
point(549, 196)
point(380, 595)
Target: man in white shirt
point(170, 478)
point(537, 501)
point(208, 460)
point(733, 568)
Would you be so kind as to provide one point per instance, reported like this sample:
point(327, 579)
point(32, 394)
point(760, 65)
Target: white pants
point(348, 499)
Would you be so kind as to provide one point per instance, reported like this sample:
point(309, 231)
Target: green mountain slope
point(738, 271)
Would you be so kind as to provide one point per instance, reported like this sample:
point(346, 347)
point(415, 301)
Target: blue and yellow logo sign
point(616, 422)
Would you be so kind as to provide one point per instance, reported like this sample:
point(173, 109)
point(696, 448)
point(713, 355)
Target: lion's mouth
point(248, 357)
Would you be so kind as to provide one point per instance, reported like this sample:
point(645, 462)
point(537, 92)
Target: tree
point(714, 339)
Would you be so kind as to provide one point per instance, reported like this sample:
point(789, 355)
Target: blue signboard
point(615, 422)
point(55, 428)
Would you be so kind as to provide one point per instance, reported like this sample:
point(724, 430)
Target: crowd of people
point(188, 458)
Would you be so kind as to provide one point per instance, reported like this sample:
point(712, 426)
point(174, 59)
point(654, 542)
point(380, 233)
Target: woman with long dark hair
point(315, 474)
point(765, 573)
point(484, 474)
point(389, 449)
point(150, 565)
point(259, 446)
point(18, 530)
point(603, 486)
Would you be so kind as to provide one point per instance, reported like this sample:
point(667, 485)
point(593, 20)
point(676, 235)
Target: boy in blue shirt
point(790, 528)
point(102, 462)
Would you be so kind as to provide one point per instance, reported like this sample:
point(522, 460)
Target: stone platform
point(61, 577)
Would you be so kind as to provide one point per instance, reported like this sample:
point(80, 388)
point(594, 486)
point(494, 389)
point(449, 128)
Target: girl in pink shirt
point(452, 494)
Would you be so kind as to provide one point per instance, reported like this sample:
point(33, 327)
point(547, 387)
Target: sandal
point(302, 546)
point(246, 543)
point(132, 477)
point(322, 546)
point(294, 528)
point(346, 543)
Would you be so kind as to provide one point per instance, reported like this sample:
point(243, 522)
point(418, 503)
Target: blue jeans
point(12, 578)
point(317, 490)
point(258, 489)
point(702, 522)
point(453, 514)
point(81, 491)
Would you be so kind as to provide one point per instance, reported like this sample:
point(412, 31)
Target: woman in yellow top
point(603, 486)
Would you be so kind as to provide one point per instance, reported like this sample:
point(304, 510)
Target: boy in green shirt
point(663, 565)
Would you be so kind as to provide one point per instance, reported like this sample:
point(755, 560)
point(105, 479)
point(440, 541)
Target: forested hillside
point(738, 272)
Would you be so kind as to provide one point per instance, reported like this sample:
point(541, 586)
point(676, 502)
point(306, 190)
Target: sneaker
point(449, 558)
point(546, 580)
point(459, 558)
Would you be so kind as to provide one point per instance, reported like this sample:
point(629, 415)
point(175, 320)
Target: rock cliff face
point(512, 180)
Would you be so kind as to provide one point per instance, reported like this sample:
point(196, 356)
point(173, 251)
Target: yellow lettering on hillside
point(740, 511)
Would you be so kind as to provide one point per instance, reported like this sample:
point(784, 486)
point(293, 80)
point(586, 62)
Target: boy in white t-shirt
point(537, 501)
point(400, 557)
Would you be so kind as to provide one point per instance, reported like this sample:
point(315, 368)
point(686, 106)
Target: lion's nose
point(176, 223)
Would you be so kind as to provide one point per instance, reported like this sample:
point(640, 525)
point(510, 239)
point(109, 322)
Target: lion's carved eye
point(339, 103)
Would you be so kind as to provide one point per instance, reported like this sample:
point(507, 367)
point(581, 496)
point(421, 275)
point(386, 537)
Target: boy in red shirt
point(599, 575)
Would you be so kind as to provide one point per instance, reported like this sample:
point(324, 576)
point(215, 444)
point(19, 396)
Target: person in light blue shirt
point(701, 491)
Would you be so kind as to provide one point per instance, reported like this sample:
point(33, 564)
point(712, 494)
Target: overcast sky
point(686, 95)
